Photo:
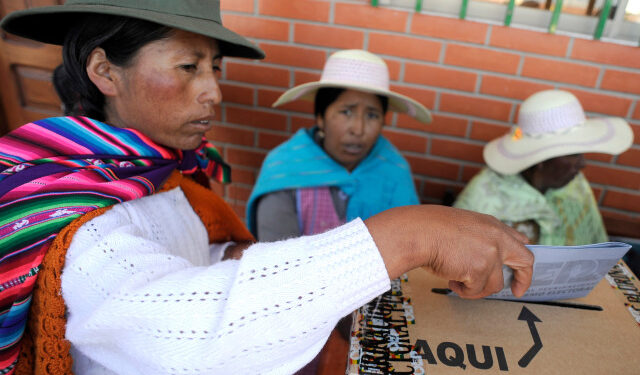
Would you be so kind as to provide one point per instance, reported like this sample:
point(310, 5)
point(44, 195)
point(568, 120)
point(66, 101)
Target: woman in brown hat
point(114, 260)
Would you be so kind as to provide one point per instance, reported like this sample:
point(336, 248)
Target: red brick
point(457, 150)
point(602, 103)
point(304, 77)
point(257, 118)
point(406, 142)
point(475, 106)
point(486, 131)
point(300, 9)
point(623, 201)
point(440, 77)
point(468, 172)
point(529, 41)
point(482, 58)
point(239, 208)
point(403, 46)
point(448, 125)
point(619, 224)
point(269, 141)
point(231, 135)
point(266, 98)
point(560, 71)
point(256, 74)
point(394, 69)
point(433, 168)
point(631, 157)
point(243, 176)
point(245, 157)
point(510, 87)
point(328, 36)
point(449, 28)
point(236, 94)
point(605, 158)
point(217, 187)
point(616, 80)
point(605, 52)
point(256, 27)
point(367, 16)
point(612, 176)
point(293, 56)
point(236, 192)
point(425, 97)
point(438, 190)
point(636, 112)
point(636, 133)
point(237, 5)
point(298, 122)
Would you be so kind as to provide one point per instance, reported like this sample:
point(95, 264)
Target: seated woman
point(533, 180)
point(342, 168)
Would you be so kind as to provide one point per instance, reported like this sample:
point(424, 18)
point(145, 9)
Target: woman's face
point(351, 125)
point(169, 90)
point(557, 172)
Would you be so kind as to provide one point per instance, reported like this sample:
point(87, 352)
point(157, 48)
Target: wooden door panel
point(26, 67)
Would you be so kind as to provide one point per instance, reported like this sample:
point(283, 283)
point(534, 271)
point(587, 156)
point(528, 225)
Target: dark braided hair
point(120, 37)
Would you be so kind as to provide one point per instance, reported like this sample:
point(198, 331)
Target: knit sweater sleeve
point(144, 298)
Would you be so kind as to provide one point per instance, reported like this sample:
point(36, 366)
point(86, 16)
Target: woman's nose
point(210, 90)
point(358, 124)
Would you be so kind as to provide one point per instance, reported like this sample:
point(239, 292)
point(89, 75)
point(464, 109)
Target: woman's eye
point(346, 112)
point(189, 67)
point(373, 115)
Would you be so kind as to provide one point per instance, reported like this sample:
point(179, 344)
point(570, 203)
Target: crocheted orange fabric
point(44, 348)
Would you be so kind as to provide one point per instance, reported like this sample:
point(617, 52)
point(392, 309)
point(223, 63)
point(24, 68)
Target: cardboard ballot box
point(414, 330)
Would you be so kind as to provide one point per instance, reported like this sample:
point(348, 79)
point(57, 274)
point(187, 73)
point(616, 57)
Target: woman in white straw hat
point(341, 168)
point(114, 251)
point(533, 180)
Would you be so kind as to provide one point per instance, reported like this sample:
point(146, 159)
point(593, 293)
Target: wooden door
point(26, 91)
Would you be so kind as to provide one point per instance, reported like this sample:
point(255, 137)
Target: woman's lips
point(353, 148)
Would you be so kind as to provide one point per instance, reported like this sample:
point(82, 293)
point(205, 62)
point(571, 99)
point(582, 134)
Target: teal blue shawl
point(381, 181)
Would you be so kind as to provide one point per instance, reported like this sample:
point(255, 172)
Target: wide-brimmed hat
point(358, 70)
point(552, 123)
point(51, 24)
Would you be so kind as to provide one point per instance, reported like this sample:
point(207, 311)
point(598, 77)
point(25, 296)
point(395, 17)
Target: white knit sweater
point(146, 294)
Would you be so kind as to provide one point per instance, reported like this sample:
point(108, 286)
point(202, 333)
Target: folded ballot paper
point(565, 272)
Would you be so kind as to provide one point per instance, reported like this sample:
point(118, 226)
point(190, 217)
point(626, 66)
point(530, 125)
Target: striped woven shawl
point(55, 170)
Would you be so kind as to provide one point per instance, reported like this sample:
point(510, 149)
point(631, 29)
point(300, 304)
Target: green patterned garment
point(566, 216)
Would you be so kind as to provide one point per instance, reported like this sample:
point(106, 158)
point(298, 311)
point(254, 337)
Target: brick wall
point(472, 75)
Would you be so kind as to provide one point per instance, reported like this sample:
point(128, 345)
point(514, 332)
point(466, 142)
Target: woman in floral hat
point(533, 180)
point(114, 259)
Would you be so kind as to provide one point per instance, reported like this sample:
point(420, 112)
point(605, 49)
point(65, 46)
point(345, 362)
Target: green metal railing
point(555, 15)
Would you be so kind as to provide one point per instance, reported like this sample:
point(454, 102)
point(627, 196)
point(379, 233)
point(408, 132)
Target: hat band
point(552, 120)
point(356, 72)
point(607, 136)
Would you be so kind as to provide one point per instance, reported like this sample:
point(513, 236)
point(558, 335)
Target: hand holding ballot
point(465, 247)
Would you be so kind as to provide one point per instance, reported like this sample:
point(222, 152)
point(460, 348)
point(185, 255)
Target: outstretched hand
point(465, 247)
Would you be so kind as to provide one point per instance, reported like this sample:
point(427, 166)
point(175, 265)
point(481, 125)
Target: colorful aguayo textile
point(57, 169)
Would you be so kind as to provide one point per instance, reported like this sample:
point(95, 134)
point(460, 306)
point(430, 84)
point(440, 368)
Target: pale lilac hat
point(358, 70)
point(552, 123)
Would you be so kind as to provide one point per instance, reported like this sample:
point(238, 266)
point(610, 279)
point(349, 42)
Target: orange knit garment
point(44, 348)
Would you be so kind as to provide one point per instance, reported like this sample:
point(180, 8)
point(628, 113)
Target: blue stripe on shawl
point(381, 181)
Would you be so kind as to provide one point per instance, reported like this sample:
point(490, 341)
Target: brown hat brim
point(51, 25)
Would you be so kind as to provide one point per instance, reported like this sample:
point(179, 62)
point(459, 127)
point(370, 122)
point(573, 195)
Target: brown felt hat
point(51, 24)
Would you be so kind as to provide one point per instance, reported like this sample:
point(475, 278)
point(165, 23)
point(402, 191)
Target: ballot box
point(417, 328)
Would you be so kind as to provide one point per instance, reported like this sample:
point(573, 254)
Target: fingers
point(521, 262)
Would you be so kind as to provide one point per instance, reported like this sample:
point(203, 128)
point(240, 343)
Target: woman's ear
point(102, 72)
point(320, 122)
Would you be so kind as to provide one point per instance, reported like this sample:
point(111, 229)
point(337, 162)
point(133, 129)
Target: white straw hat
point(358, 70)
point(552, 123)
